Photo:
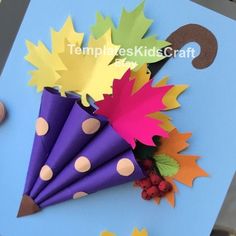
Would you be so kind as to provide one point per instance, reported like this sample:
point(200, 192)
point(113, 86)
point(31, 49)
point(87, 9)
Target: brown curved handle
point(192, 33)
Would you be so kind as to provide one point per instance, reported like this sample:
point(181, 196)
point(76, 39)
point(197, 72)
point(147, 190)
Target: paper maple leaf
point(136, 232)
point(188, 167)
point(128, 112)
point(170, 100)
point(48, 63)
point(87, 75)
point(106, 233)
point(130, 34)
point(90, 74)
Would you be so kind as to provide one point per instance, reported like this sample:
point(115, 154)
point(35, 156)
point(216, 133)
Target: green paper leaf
point(130, 34)
point(166, 165)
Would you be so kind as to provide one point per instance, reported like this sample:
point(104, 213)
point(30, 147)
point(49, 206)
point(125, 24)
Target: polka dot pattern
point(125, 167)
point(82, 164)
point(46, 173)
point(79, 195)
point(42, 126)
point(91, 126)
point(2, 112)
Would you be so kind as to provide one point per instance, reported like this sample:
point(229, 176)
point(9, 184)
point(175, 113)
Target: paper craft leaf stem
point(128, 112)
point(130, 34)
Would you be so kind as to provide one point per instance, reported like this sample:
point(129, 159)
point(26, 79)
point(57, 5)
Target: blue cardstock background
point(208, 110)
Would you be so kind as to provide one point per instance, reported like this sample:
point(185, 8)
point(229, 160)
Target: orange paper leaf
point(189, 169)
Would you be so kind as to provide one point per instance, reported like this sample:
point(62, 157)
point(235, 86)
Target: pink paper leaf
point(128, 112)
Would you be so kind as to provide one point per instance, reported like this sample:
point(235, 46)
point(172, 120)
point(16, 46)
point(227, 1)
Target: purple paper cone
point(118, 171)
point(54, 110)
point(80, 128)
point(103, 148)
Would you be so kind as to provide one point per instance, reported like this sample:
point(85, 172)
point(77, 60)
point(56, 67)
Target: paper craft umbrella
point(94, 146)
point(81, 149)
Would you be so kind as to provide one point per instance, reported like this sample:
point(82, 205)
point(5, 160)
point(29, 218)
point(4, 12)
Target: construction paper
point(79, 129)
point(143, 232)
point(86, 73)
point(106, 233)
point(170, 99)
point(191, 33)
point(141, 77)
point(130, 34)
point(166, 123)
point(201, 35)
point(188, 169)
point(171, 102)
point(53, 113)
point(186, 34)
point(130, 120)
point(73, 218)
point(2, 112)
point(120, 170)
point(48, 63)
point(28, 206)
point(136, 232)
point(103, 148)
point(82, 73)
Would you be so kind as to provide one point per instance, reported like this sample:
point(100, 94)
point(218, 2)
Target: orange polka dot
point(2, 112)
point(125, 167)
point(42, 126)
point(91, 126)
point(46, 173)
point(79, 195)
point(82, 164)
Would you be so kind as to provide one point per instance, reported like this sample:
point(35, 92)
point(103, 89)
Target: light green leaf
point(130, 35)
point(166, 165)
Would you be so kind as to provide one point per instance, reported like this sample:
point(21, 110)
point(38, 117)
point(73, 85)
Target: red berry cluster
point(153, 185)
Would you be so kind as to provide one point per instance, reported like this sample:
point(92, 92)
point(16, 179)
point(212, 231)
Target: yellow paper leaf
point(66, 33)
point(48, 63)
point(143, 232)
point(189, 169)
point(106, 233)
point(165, 119)
point(170, 99)
point(136, 232)
point(91, 74)
point(141, 76)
